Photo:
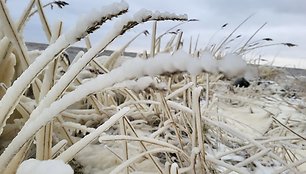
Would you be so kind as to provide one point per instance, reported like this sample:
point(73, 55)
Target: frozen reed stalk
point(178, 41)
point(125, 144)
point(153, 39)
point(174, 168)
point(110, 62)
point(190, 45)
point(197, 134)
point(180, 90)
point(56, 148)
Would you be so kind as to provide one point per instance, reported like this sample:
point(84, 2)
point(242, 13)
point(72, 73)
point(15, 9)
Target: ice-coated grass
point(169, 111)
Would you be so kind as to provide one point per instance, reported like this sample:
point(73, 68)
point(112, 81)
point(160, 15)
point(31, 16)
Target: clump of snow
point(251, 73)
point(232, 65)
point(138, 16)
point(97, 159)
point(157, 15)
point(194, 67)
point(94, 18)
point(208, 62)
point(252, 120)
point(181, 61)
point(34, 166)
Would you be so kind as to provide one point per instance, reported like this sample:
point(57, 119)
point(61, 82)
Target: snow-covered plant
point(162, 112)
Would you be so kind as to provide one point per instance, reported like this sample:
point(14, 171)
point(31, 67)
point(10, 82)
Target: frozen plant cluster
point(171, 111)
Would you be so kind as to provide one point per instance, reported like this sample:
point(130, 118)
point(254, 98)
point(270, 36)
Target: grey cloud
point(243, 6)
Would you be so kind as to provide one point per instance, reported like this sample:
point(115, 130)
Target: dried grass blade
point(179, 41)
point(153, 39)
point(43, 19)
point(123, 131)
point(7, 69)
point(25, 15)
point(226, 39)
point(113, 58)
point(248, 41)
point(44, 142)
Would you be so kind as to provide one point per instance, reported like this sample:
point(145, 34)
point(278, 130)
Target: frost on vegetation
point(170, 112)
point(34, 166)
point(95, 19)
point(180, 61)
point(232, 65)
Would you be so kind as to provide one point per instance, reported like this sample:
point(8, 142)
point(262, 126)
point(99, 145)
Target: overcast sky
point(286, 22)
